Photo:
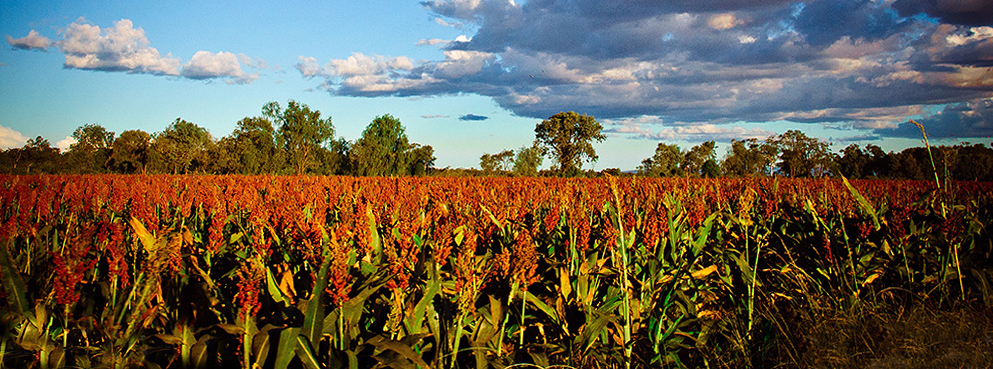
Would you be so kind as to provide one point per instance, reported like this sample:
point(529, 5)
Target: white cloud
point(723, 21)
point(308, 67)
point(9, 138)
point(635, 128)
point(459, 63)
point(206, 65)
point(118, 48)
point(432, 42)
point(64, 143)
point(976, 34)
point(359, 64)
point(33, 41)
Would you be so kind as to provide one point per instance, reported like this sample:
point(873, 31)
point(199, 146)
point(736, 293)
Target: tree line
point(297, 140)
point(284, 140)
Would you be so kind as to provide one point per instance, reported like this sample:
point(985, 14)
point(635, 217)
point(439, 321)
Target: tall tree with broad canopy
point(131, 151)
point(749, 157)
point(92, 149)
point(382, 149)
point(302, 132)
point(802, 156)
point(182, 146)
point(569, 136)
point(694, 160)
point(257, 147)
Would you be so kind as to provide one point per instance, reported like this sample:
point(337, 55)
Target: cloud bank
point(867, 64)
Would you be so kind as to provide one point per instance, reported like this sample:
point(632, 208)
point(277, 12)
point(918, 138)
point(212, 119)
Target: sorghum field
point(326, 272)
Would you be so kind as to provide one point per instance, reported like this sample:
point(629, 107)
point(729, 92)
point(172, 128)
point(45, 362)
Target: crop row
point(323, 272)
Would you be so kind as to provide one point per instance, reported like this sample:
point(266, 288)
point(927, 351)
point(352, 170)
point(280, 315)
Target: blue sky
point(470, 77)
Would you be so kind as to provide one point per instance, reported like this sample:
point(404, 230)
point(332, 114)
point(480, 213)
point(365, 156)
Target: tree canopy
point(302, 132)
point(569, 137)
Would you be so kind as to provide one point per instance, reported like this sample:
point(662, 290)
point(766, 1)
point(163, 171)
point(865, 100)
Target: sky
point(471, 77)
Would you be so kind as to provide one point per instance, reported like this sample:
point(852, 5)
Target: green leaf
point(286, 349)
point(400, 347)
point(273, 287)
point(543, 307)
point(863, 203)
point(313, 321)
point(17, 296)
point(306, 353)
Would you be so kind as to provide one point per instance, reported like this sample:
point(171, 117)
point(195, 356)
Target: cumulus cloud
point(33, 41)
point(473, 117)
point(125, 48)
point(65, 143)
point(434, 116)
point(206, 65)
point(9, 138)
point(121, 48)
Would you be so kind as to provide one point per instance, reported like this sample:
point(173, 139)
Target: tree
point(749, 158)
point(665, 162)
point(37, 156)
point(131, 152)
point(801, 156)
point(421, 159)
point(698, 155)
point(527, 161)
point(182, 146)
point(382, 149)
point(711, 169)
point(302, 132)
point(92, 149)
point(498, 162)
point(255, 146)
point(569, 136)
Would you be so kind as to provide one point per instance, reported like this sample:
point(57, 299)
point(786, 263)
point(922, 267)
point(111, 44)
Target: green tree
point(527, 161)
point(499, 162)
point(749, 158)
point(37, 156)
point(711, 169)
point(801, 156)
point(421, 159)
point(569, 137)
point(92, 149)
point(696, 157)
point(182, 147)
point(302, 132)
point(131, 152)
point(665, 162)
point(382, 150)
point(256, 146)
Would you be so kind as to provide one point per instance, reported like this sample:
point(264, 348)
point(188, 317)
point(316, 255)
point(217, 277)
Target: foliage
point(801, 156)
point(665, 162)
point(499, 162)
point(302, 133)
point(569, 137)
point(527, 161)
point(748, 158)
point(183, 147)
point(322, 272)
point(382, 149)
